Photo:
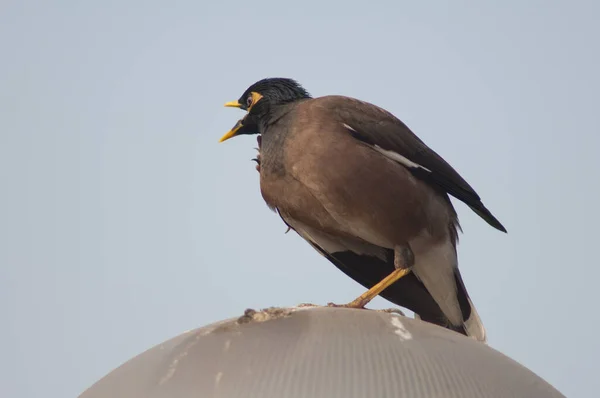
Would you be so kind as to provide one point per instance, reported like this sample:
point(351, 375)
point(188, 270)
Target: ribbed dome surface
point(316, 352)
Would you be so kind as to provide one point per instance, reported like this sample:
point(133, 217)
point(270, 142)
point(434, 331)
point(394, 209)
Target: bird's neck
point(272, 115)
point(274, 132)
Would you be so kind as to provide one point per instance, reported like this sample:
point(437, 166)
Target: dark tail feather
point(472, 324)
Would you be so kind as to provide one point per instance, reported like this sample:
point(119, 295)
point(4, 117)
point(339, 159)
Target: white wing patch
point(400, 159)
point(348, 127)
point(395, 156)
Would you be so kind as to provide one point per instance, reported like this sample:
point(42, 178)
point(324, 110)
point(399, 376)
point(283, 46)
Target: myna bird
point(358, 185)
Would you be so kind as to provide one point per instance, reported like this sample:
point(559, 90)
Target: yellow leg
point(373, 292)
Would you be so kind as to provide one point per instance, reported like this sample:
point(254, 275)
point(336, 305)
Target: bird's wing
point(387, 134)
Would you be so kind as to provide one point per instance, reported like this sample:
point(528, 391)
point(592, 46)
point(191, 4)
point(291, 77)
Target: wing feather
point(387, 134)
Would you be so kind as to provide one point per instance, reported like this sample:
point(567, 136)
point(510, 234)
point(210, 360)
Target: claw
point(349, 305)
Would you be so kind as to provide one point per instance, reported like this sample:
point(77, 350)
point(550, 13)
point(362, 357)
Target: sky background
point(124, 223)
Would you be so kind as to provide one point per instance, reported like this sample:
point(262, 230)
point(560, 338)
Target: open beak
point(232, 133)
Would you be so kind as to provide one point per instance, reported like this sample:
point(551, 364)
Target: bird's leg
point(404, 259)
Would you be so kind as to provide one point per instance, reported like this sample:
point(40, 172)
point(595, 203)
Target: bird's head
point(258, 100)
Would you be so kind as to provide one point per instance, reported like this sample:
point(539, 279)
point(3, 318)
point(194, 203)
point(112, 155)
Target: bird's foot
point(357, 306)
point(354, 304)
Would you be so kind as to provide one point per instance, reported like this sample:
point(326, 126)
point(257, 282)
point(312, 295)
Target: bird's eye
point(249, 102)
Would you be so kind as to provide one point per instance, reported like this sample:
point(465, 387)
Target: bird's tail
point(436, 267)
point(472, 324)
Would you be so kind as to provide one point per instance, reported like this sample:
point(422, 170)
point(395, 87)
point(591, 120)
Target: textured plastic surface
point(321, 353)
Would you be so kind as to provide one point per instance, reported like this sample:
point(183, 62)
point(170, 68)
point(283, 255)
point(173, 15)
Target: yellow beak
point(231, 133)
point(233, 104)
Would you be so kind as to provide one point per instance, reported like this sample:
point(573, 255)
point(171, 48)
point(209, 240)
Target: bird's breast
point(272, 157)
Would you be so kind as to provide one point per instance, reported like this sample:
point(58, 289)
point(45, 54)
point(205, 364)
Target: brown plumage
point(365, 192)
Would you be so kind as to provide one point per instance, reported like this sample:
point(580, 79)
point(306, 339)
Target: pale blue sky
point(123, 222)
